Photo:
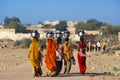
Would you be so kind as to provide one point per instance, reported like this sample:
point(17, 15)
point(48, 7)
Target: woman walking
point(34, 54)
point(82, 53)
point(59, 52)
point(67, 53)
point(50, 56)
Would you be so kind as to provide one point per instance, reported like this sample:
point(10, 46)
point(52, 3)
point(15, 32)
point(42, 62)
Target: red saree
point(82, 57)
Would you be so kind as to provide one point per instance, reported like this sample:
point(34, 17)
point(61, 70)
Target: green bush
point(42, 42)
point(74, 44)
point(7, 42)
point(116, 69)
point(16, 43)
point(112, 49)
point(24, 43)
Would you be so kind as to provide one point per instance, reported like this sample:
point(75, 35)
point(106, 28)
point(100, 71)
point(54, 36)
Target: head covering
point(58, 34)
point(35, 33)
point(66, 34)
point(49, 34)
point(81, 33)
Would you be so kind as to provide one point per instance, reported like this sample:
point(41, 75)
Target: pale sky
point(33, 11)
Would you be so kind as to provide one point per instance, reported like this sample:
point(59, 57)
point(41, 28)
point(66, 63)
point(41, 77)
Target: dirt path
point(23, 72)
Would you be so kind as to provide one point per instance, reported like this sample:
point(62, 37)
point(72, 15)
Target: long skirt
point(59, 67)
point(82, 63)
point(37, 71)
point(67, 66)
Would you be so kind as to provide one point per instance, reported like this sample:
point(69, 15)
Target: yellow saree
point(35, 57)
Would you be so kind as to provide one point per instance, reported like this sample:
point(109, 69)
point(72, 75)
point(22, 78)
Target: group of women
point(56, 53)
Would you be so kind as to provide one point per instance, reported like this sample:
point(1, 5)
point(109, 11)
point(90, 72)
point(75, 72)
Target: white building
point(53, 23)
point(1, 26)
point(118, 36)
point(72, 23)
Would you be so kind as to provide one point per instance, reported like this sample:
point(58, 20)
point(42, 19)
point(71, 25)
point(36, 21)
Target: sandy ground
point(14, 65)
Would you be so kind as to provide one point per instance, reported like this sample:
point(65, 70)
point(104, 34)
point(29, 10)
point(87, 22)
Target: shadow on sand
point(86, 74)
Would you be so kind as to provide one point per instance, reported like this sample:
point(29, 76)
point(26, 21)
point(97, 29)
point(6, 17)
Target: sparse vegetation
point(24, 43)
point(111, 49)
point(116, 69)
point(61, 26)
point(42, 42)
point(109, 32)
point(113, 44)
point(74, 44)
point(14, 23)
point(17, 43)
point(6, 42)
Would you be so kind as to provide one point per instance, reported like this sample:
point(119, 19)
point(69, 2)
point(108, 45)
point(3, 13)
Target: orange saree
point(50, 57)
point(67, 51)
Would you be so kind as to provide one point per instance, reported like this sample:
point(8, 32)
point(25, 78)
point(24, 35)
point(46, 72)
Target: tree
point(14, 23)
point(48, 26)
point(91, 24)
point(110, 29)
point(40, 22)
point(92, 21)
point(11, 22)
point(61, 26)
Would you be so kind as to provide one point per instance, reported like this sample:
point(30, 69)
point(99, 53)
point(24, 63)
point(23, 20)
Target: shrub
point(24, 43)
point(74, 44)
point(7, 42)
point(42, 42)
point(16, 43)
point(112, 49)
point(116, 69)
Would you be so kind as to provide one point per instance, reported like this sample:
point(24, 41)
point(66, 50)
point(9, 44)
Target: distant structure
point(71, 29)
point(10, 33)
point(53, 23)
point(92, 32)
point(36, 25)
point(72, 23)
point(118, 36)
point(1, 27)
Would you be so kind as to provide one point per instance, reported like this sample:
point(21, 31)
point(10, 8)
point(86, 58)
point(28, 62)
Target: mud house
point(72, 23)
point(1, 26)
point(10, 34)
point(89, 34)
point(118, 36)
point(53, 23)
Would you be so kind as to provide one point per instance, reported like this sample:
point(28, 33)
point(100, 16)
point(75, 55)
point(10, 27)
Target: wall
point(72, 24)
point(8, 30)
point(1, 26)
point(10, 34)
point(118, 36)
